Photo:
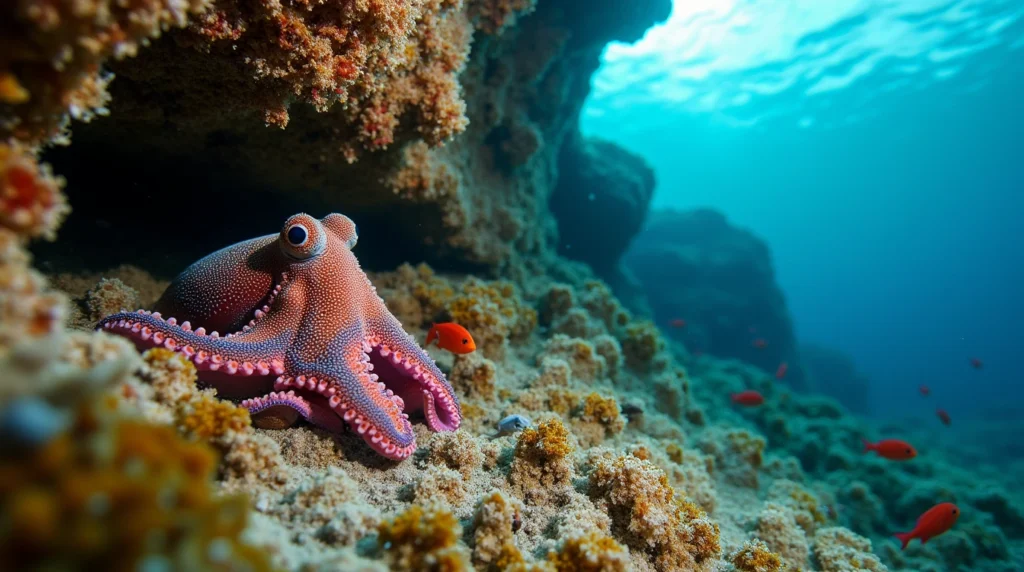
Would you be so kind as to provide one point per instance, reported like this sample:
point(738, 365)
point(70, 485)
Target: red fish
point(678, 323)
point(976, 363)
point(781, 372)
point(892, 449)
point(925, 390)
point(932, 523)
point(943, 416)
point(452, 337)
point(749, 398)
point(760, 343)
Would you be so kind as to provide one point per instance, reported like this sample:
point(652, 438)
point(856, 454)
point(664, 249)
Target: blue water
point(876, 146)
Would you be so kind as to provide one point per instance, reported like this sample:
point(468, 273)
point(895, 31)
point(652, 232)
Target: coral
point(585, 362)
point(839, 550)
point(598, 299)
point(102, 490)
point(423, 539)
point(473, 376)
point(650, 517)
point(247, 456)
point(50, 66)
point(754, 556)
point(457, 451)
point(497, 519)
point(590, 552)
point(641, 341)
point(609, 348)
point(556, 302)
point(110, 296)
point(737, 452)
point(600, 417)
point(332, 504)
point(494, 16)
point(803, 504)
point(1006, 515)
point(777, 527)
point(493, 312)
point(542, 461)
point(31, 201)
point(439, 486)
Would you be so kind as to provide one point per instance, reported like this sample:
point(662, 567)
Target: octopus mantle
point(308, 337)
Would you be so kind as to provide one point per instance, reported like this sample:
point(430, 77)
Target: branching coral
point(423, 539)
point(50, 66)
point(105, 489)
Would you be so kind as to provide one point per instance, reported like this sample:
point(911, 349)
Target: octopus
point(305, 337)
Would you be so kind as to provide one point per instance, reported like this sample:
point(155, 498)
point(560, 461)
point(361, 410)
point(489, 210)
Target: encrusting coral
point(542, 463)
point(754, 556)
point(423, 539)
point(51, 64)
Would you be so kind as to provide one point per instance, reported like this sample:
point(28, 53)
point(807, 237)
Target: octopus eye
point(297, 235)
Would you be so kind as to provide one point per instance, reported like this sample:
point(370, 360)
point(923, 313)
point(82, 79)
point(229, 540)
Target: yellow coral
point(106, 488)
point(498, 517)
point(423, 539)
point(542, 463)
point(754, 556)
point(211, 417)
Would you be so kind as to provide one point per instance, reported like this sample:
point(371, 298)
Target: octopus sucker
point(307, 337)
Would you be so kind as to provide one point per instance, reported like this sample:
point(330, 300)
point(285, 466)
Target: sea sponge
point(754, 556)
point(105, 488)
point(31, 201)
point(576, 323)
point(439, 486)
point(456, 450)
point(542, 461)
point(598, 299)
point(50, 67)
point(609, 348)
point(592, 551)
point(110, 296)
point(837, 549)
point(583, 359)
point(558, 300)
point(777, 527)
point(497, 518)
point(333, 505)
point(473, 375)
point(423, 539)
point(648, 515)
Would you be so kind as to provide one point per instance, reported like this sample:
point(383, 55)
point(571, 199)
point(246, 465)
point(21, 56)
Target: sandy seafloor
point(684, 481)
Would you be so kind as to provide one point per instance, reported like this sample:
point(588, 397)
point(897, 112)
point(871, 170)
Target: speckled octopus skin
point(309, 337)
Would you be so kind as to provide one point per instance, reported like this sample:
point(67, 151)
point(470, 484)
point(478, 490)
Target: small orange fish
point(892, 449)
point(943, 416)
point(976, 363)
point(760, 343)
point(781, 372)
point(678, 323)
point(749, 398)
point(925, 390)
point(452, 337)
point(932, 523)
